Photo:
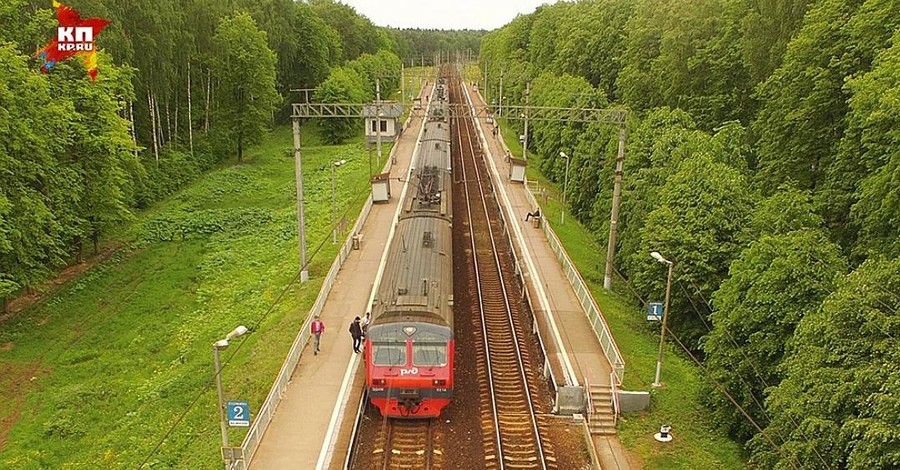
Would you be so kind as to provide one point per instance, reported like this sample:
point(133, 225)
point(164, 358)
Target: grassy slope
point(697, 445)
point(122, 351)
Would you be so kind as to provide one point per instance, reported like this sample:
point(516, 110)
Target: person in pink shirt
point(316, 328)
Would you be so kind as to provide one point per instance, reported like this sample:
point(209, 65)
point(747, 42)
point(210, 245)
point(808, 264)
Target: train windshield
point(429, 349)
point(389, 354)
point(425, 354)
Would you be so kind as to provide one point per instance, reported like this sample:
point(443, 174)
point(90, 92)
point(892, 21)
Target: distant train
point(409, 345)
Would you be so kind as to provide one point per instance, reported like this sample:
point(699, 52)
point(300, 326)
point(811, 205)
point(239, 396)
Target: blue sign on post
point(238, 413)
point(654, 311)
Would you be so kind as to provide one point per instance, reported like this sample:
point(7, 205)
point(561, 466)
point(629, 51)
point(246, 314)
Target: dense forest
point(763, 158)
point(182, 86)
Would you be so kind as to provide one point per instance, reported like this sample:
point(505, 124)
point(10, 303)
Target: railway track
point(515, 434)
point(407, 445)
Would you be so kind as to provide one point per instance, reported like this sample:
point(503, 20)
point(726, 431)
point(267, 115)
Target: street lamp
point(217, 346)
point(662, 333)
point(562, 214)
point(334, 167)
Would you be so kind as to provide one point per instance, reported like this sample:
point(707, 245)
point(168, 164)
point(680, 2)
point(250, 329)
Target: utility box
point(381, 187)
point(356, 241)
point(517, 170)
point(536, 222)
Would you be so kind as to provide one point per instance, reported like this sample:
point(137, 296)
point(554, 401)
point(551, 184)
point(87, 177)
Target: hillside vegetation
point(762, 160)
point(97, 374)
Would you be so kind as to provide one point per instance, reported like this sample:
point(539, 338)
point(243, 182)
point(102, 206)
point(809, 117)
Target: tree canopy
point(762, 159)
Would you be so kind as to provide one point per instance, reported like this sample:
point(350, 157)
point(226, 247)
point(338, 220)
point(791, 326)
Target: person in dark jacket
point(356, 333)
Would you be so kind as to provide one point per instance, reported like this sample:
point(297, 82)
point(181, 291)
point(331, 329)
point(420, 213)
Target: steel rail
point(467, 120)
point(398, 434)
point(495, 415)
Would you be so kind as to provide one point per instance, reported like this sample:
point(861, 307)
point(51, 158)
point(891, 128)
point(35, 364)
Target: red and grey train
point(409, 344)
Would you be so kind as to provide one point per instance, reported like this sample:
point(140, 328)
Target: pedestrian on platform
point(536, 214)
point(356, 333)
point(495, 131)
point(316, 328)
point(365, 323)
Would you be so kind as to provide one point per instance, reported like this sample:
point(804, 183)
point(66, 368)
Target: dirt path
point(16, 381)
point(50, 287)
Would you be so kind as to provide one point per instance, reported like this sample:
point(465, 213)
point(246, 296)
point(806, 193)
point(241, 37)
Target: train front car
point(409, 345)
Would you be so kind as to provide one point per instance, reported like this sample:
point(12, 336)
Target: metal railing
point(585, 298)
point(263, 418)
point(590, 398)
point(613, 390)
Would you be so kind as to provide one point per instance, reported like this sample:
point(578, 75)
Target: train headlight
point(439, 382)
point(379, 382)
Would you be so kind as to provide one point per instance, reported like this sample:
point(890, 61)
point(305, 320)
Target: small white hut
point(389, 113)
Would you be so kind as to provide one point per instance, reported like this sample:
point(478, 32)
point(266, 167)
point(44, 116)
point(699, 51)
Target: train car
point(409, 344)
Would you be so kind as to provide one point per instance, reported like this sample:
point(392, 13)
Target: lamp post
point(662, 332)
point(217, 346)
point(334, 168)
point(562, 214)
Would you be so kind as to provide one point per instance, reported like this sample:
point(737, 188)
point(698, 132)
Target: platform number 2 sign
point(238, 413)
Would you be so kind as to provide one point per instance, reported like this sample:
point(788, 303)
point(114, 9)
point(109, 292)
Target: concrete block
point(633, 401)
point(570, 400)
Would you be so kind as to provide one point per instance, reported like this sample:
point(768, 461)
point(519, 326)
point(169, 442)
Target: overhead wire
point(718, 385)
point(227, 360)
point(753, 366)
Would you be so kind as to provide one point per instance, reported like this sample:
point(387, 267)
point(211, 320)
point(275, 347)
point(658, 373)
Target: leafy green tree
point(383, 66)
point(774, 283)
point(414, 44)
point(358, 34)
point(303, 42)
point(698, 224)
point(838, 402)
point(869, 152)
point(803, 121)
point(25, 24)
point(766, 30)
point(648, 163)
point(592, 27)
point(785, 211)
point(245, 68)
point(343, 85)
point(686, 55)
point(100, 153)
point(33, 130)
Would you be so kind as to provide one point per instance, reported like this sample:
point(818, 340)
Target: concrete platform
point(580, 346)
point(313, 402)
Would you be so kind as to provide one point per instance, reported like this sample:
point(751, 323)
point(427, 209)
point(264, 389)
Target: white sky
point(444, 14)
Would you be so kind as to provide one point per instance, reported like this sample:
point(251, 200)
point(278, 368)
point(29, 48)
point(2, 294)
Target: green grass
point(697, 444)
point(99, 372)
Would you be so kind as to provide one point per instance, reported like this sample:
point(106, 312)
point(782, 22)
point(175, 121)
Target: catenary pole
point(301, 223)
point(614, 214)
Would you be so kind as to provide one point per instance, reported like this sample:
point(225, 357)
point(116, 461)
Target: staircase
point(601, 416)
